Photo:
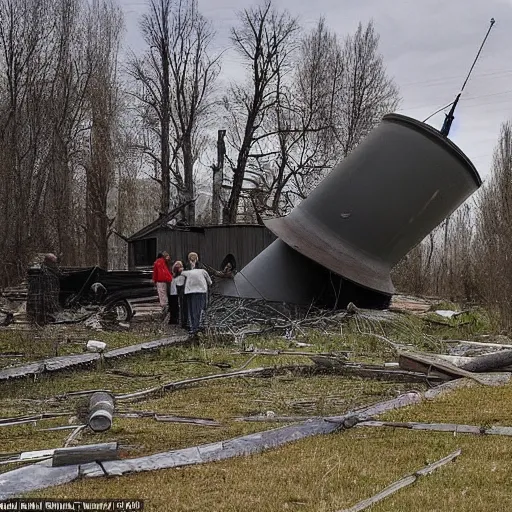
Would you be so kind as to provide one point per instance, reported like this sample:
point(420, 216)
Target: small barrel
point(101, 411)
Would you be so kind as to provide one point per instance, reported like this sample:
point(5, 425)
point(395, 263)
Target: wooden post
point(489, 362)
point(85, 454)
point(101, 411)
point(218, 177)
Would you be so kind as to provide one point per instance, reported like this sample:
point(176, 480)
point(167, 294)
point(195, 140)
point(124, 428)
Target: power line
point(465, 106)
point(443, 80)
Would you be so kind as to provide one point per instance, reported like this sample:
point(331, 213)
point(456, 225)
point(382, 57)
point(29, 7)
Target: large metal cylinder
point(400, 183)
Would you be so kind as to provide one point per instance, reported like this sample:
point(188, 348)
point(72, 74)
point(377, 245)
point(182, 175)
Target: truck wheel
point(123, 311)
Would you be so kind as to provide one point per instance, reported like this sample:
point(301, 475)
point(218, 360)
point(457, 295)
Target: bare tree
point(28, 61)
point(494, 232)
point(367, 93)
point(104, 30)
point(265, 38)
point(66, 108)
point(336, 95)
point(152, 76)
point(304, 124)
point(176, 79)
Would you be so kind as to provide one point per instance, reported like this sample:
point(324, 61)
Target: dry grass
point(49, 341)
point(319, 474)
point(333, 472)
point(222, 400)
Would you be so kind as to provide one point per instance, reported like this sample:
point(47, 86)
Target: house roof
point(158, 223)
point(151, 228)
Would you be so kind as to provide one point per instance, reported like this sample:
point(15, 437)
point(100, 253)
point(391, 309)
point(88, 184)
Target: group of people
point(182, 291)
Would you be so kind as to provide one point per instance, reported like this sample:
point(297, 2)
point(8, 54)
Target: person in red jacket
point(162, 278)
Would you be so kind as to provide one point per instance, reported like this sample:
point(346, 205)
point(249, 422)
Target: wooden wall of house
point(213, 244)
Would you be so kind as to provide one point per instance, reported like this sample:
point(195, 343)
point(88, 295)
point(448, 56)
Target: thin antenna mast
point(445, 130)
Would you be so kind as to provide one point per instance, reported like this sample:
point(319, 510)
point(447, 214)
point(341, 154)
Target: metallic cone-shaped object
point(400, 183)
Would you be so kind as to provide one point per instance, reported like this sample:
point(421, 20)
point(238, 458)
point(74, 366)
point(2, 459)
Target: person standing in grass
point(162, 278)
point(176, 295)
point(196, 292)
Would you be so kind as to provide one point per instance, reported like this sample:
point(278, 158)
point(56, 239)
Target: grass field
point(326, 473)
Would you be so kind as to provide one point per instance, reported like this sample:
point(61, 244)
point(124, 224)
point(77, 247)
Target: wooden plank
point(479, 343)
point(20, 420)
point(290, 353)
point(411, 364)
point(441, 427)
point(371, 371)
point(85, 454)
point(487, 362)
point(400, 484)
point(442, 367)
point(434, 427)
point(276, 419)
point(64, 427)
point(254, 372)
point(61, 363)
point(207, 422)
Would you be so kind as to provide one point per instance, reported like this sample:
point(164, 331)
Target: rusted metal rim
point(311, 239)
point(436, 136)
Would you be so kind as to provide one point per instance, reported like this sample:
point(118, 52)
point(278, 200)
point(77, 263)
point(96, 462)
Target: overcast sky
point(428, 47)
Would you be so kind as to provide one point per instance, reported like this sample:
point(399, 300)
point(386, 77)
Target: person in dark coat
point(43, 292)
point(176, 295)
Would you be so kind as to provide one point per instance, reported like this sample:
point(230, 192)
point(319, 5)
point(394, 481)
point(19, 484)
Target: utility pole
point(218, 177)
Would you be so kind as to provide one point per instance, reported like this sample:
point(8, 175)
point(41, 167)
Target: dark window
point(144, 252)
point(228, 259)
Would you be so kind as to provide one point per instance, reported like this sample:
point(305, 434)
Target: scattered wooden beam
point(64, 427)
point(276, 419)
point(206, 422)
point(370, 371)
point(253, 372)
point(81, 393)
point(209, 422)
point(101, 411)
point(29, 457)
point(404, 482)
point(479, 343)
point(61, 363)
point(21, 420)
point(74, 434)
point(40, 477)
point(85, 454)
point(124, 373)
point(290, 353)
point(487, 362)
point(428, 362)
point(441, 427)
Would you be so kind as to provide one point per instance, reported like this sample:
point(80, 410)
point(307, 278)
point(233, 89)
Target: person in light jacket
point(196, 291)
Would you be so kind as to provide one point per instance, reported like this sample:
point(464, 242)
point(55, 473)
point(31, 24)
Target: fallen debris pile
point(43, 475)
point(238, 318)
